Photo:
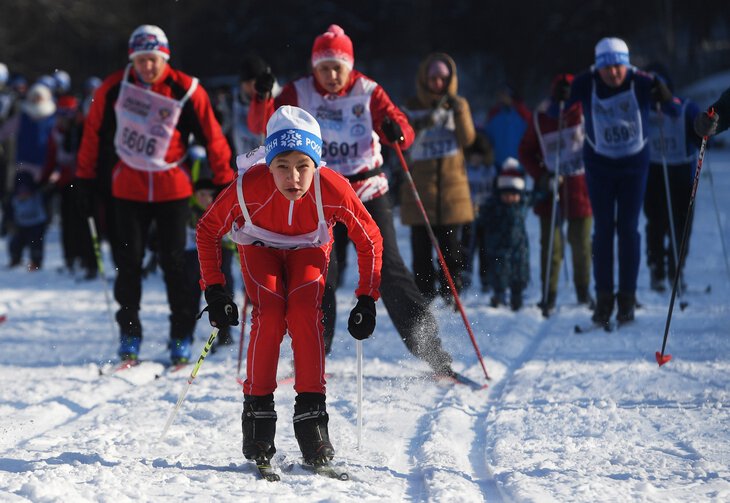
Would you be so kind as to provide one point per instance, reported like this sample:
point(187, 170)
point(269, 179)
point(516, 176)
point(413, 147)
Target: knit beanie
point(291, 128)
point(149, 39)
point(39, 102)
point(333, 45)
point(611, 51)
point(510, 177)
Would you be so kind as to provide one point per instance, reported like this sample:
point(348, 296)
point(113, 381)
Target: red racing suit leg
point(285, 288)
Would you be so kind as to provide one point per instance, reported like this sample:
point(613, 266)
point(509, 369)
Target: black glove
point(392, 131)
point(561, 90)
point(222, 311)
point(453, 103)
point(706, 124)
point(660, 93)
point(362, 318)
point(264, 83)
point(85, 190)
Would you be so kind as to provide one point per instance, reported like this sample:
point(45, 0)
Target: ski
point(582, 329)
point(172, 368)
point(323, 469)
point(112, 368)
point(327, 470)
point(267, 472)
point(456, 378)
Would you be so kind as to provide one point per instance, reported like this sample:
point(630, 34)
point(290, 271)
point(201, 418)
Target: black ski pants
point(658, 232)
point(133, 224)
point(407, 308)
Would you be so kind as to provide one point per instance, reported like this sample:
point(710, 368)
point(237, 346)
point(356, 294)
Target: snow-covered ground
point(566, 417)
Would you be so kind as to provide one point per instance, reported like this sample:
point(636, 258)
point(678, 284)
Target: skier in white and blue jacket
point(674, 143)
point(616, 99)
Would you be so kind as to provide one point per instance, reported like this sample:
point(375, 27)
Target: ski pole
point(100, 267)
point(442, 261)
point(243, 336)
point(193, 374)
point(661, 358)
point(553, 215)
point(717, 216)
point(358, 345)
point(670, 212)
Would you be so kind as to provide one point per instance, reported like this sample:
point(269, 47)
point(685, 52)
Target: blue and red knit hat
point(149, 39)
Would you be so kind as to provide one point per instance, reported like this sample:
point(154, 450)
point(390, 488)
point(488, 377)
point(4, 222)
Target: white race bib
point(146, 123)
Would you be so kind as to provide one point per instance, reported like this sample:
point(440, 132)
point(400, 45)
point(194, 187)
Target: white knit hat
point(149, 39)
point(510, 177)
point(39, 102)
point(611, 51)
point(291, 128)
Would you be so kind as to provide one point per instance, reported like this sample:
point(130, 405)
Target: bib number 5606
point(137, 142)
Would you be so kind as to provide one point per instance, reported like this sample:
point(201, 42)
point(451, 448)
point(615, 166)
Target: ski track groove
point(496, 391)
point(417, 489)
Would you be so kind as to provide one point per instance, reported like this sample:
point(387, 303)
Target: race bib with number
point(437, 141)
point(617, 124)
point(146, 123)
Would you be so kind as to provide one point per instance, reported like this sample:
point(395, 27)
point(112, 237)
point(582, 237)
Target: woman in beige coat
point(444, 127)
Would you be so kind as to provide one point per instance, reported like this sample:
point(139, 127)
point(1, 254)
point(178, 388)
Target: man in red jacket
point(538, 154)
point(280, 212)
point(356, 115)
point(146, 114)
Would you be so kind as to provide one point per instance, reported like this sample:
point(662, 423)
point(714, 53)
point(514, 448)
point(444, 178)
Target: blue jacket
point(33, 139)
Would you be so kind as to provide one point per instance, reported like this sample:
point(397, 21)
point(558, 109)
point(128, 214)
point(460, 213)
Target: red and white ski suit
point(285, 286)
point(171, 184)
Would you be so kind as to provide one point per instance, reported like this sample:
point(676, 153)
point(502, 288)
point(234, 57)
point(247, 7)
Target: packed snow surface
point(566, 417)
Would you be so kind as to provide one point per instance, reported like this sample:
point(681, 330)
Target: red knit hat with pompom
point(333, 45)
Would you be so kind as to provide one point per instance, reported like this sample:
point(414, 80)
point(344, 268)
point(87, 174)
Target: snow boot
point(130, 334)
point(604, 308)
point(584, 297)
point(626, 305)
point(258, 424)
point(515, 300)
point(656, 281)
point(548, 307)
point(310, 428)
point(499, 298)
point(181, 350)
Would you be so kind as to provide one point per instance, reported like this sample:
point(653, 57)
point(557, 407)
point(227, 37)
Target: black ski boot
point(583, 296)
point(515, 300)
point(657, 281)
point(548, 307)
point(258, 423)
point(310, 428)
point(626, 305)
point(604, 308)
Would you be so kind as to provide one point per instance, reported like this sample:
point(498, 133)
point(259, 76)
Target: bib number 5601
point(137, 142)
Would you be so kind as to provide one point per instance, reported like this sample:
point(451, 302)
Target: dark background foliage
point(521, 42)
